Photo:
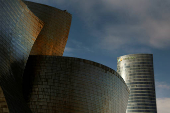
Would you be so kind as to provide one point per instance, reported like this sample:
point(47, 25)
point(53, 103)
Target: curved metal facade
point(53, 37)
point(72, 85)
point(19, 28)
point(137, 71)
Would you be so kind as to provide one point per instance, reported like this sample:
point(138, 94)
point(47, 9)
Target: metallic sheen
point(53, 37)
point(137, 71)
point(19, 28)
point(55, 84)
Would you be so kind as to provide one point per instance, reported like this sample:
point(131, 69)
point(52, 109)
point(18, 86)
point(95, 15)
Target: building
point(19, 28)
point(56, 84)
point(138, 73)
point(53, 37)
point(50, 83)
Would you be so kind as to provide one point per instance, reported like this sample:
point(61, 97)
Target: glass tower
point(138, 73)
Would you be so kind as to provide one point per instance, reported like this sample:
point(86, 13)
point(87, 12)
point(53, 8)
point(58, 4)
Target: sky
point(102, 30)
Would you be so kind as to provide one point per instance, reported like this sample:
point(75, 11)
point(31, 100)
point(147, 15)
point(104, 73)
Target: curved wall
point(53, 37)
point(72, 85)
point(19, 28)
point(137, 71)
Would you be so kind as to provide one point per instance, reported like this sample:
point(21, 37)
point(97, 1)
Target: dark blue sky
point(103, 30)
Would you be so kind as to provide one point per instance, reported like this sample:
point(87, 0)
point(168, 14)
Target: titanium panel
point(71, 85)
point(19, 28)
point(3, 103)
point(53, 37)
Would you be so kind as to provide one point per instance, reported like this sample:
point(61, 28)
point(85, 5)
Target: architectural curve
point(73, 85)
point(138, 73)
point(53, 37)
point(19, 28)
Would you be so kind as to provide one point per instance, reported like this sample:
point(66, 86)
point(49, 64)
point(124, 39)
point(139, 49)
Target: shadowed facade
point(71, 85)
point(53, 37)
point(138, 73)
point(3, 103)
point(19, 28)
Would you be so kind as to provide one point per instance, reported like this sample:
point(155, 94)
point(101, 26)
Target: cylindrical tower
point(58, 84)
point(19, 28)
point(137, 71)
point(53, 37)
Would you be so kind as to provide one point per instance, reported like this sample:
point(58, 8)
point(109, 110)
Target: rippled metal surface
point(72, 85)
point(138, 73)
point(19, 28)
point(53, 37)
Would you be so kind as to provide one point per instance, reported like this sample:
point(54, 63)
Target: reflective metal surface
point(53, 37)
point(55, 84)
point(3, 103)
point(137, 71)
point(19, 28)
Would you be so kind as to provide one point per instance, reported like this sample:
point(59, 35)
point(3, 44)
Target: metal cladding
point(53, 37)
point(51, 83)
point(72, 85)
point(138, 73)
point(19, 28)
point(3, 103)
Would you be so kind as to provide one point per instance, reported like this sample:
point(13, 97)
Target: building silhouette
point(19, 28)
point(56, 84)
point(138, 73)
